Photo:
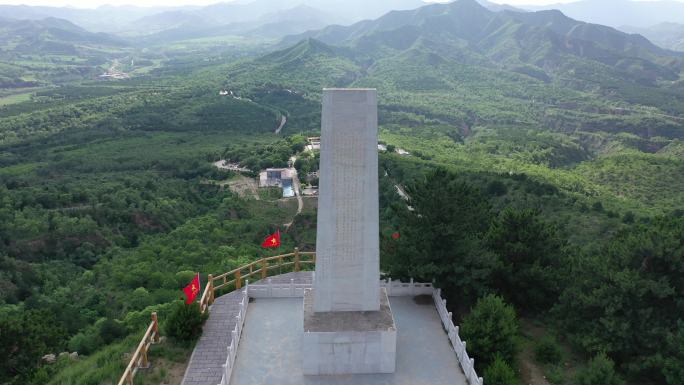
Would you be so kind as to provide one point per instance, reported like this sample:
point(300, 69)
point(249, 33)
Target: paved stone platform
point(205, 366)
point(270, 350)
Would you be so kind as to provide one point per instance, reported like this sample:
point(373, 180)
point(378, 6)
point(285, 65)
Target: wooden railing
point(139, 359)
point(260, 269)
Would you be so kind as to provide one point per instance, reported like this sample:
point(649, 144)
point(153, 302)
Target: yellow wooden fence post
point(210, 282)
point(296, 255)
point(143, 351)
point(155, 328)
point(238, 280)
point(264, 269)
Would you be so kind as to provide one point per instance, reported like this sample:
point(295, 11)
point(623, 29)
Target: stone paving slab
point(210, 353)
point(270, 350)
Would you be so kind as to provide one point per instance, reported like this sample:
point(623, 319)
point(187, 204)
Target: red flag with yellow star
point(272, 241)
point(192, 290)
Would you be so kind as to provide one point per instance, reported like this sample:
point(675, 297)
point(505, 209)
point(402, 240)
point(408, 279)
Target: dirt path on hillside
point(531, 373)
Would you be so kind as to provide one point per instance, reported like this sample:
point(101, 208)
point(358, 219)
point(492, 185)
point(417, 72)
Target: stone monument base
point(351, 342)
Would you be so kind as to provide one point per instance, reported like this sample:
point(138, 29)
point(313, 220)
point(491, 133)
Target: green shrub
point(111, 330)
point(673, 369)
point(140, 299)
point(599, 371)
point(103, 332)
point(491, 329)
point(85, 342)
point(184, 277)
point(547, 351)
point(629, 217)
point(136, 321)
point(555, 375)
point(185, 322)
point(500, 373)
point(496, 188)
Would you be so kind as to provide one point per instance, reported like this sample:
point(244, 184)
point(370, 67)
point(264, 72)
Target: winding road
point(283, 121)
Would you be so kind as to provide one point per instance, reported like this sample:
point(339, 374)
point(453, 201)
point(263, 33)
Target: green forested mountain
point(547, 40)
point(666, 35)
point(39, 52)
point(105, 18)
point(131, 20)
point(51, 36)
point(546, 167)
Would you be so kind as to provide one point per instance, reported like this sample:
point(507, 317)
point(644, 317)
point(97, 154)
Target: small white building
point(278, 177)
point(314, 143)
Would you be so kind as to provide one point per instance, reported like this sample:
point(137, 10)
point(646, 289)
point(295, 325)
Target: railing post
point(389, 286)
point(292, 288)
point(210, 283)
point(129, 378)
point(234, 343)
point(264, 269)
point(238, 280)
point(143, 351)
point(296, 259)
point(155, 328)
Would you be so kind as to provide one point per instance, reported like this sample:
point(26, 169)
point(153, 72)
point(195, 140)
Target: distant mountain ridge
point(52, 35)
point(172, 26)
point(102, 19)
point(263, 18)
point(666, 35)
point(546, 40)
point(616, 13)
point(134, 21)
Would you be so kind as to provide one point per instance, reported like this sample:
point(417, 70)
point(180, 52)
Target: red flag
point(192, 290)
point(272, 241)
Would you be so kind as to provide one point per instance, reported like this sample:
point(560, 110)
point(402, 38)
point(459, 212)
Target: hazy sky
point(95, 3)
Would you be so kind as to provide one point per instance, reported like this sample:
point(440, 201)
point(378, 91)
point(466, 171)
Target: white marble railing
point(236, 333)
point(269, 289)
point(467, 363)
point(400, 289)
point(277, 290)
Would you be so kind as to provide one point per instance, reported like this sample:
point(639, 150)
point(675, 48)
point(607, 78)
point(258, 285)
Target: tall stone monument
point(348, 323)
